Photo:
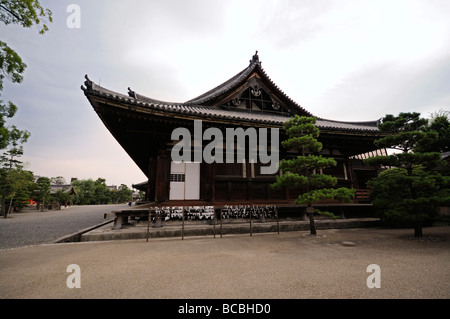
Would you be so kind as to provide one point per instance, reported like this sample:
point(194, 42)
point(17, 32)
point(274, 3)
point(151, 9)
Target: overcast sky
point(342, 60)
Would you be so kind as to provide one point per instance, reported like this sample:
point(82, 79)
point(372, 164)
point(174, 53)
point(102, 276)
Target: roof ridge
point(366, 123)
point(237, 80)
point(283, 93)
point(144, 98)
point(254, 61)
point(223, 87)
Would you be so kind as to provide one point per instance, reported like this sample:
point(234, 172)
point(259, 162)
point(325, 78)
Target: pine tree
point(410, 192)
point(10, 167)
point(302, 172)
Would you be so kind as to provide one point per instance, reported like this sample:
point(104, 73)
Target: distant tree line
point(90, 192)
point(20, 188)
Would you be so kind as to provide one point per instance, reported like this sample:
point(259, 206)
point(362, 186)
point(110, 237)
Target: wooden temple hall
point(143, 126)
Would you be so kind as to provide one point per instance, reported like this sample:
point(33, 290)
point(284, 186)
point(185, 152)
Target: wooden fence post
point(220, 222)
point(148, 221)
point(278, 224)
point(251, 213)
point(182, 225)
point(214, 221)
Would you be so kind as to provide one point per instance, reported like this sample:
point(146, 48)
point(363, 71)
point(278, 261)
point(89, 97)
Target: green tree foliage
point(6, 111)
point(85, 190)
point(90, 192)
point(11, 167)
point(16, 187)
point(102, 194)
point(124, 193)
point(409, 193)
point(42, 193)
point(401, 206)
point(302, 172)
point(26, 13)
point(11, 65)
point(440, 124)
point(10, 157)
point(60, 197)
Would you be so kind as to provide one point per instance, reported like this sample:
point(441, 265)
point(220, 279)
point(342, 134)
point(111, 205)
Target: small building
point(144, 127)
point(65, 188)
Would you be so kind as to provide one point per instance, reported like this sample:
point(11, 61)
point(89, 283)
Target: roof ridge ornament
point(132, 93)
point(88, 83)
point(255, 59)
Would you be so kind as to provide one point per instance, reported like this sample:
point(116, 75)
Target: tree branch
point(10, 12)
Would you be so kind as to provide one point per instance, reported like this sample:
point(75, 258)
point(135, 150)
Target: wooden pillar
point(350, 172)
point(207, 181)
point(213, 182)
point(162, 180)
point(150, 196)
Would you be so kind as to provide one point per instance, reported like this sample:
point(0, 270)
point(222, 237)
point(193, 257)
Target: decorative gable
point(250, 90)
point(254, 96)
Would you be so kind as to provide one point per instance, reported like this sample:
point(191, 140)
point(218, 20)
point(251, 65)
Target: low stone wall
point(202, 229)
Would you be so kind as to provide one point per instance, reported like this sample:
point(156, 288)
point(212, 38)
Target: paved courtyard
point(289, 265)
point(32, 227)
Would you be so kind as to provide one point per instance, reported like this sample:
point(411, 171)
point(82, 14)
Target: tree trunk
point(9, 208)
point(312, 225)
point(418, 223)
point(418, 229)
point(3, 211)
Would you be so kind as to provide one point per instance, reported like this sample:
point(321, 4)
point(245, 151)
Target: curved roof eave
point(199, 111)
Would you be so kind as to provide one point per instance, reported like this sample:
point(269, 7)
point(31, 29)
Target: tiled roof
point(224, 87)
point(218, 113)
point(350, 126)
point(199, 108)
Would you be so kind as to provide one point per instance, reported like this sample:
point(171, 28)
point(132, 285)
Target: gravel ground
point(285, 266)
point(32, 227)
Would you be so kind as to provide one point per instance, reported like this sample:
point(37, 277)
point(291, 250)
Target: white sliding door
point(184, 181)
